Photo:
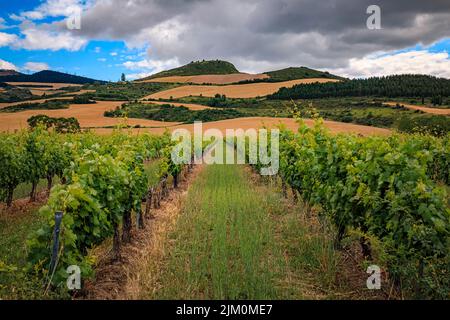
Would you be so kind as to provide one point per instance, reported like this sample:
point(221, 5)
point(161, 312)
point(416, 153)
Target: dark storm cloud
point(260, 35)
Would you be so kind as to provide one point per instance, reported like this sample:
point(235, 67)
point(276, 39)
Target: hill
point(5, 72)
point(293, 73)
point(48, 76)
point(421, 86)
point(198, 68)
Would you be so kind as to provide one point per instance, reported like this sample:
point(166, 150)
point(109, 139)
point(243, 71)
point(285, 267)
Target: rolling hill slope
point(47, 76)
point(197, 68)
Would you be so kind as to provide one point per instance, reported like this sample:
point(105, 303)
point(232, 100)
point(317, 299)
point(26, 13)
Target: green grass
point(238, 239)
point(124, 91)
point(14, 231)
point(198, 68)
point(224, 242)
point(170, 113)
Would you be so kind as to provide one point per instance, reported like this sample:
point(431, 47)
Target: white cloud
point(36, 66)
point(7, 65)
point(97, 49)
point(411, 62)
point(150, 66)
point(101, 59)
point(113, 54)
point(7, 39)
point(134, 76)
point(52, 8)
point(39, 38)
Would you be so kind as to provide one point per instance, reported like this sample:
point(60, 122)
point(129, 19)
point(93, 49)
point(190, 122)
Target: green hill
point(198, 68)
point(47, 76)
point(293, 73)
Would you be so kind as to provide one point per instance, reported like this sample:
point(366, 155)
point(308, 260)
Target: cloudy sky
point(140, 37)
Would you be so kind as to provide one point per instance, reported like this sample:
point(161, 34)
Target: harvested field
point(250, 90)
point(426, 109)
point(212, 78)
point(258, 122)
point(89, 115)
point(190, 106)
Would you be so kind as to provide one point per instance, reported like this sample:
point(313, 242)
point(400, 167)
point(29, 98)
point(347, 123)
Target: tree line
point(419, 86)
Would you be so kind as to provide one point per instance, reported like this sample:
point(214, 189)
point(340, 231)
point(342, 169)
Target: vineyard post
point(148, 203)
point(284, 188)
point(140, 219)
point(58, 219)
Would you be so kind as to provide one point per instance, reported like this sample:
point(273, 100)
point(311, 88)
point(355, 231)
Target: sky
point(102, 39)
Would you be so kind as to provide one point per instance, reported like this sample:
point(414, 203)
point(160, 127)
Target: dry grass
point(426, 109)
point(138, 271)
point(259, 122)
point(251, 90)
point(210, 79)
point(89, 115)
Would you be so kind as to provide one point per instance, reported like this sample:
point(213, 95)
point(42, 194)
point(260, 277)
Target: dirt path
point(426, 109)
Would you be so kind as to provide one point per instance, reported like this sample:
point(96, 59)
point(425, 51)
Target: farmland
point(350, 190)
point(211, 79)
point(233, 91)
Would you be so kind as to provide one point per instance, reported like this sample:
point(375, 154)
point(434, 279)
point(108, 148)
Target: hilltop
point(224, 72)
point(6, 72)
point(293, 73)
point(45, 76)
point(198, 68)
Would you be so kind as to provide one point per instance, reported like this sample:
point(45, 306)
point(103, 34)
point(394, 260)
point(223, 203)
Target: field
point(425, 109)
point(259, 122)
point(232, 91)
point(51, 86)
point(88, 115)
point(211, 79)
point(149, 228)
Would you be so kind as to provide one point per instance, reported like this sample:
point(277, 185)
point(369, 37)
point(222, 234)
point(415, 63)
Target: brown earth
point(259, 122)
point(89, 115)
point(250, 90)
point(213, 78)
point(426, 109)
point(125, 279)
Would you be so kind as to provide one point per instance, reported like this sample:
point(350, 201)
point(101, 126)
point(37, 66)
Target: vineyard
point(391, 192)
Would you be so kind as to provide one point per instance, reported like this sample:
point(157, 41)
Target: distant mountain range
point(44, 76)
point(219, 67)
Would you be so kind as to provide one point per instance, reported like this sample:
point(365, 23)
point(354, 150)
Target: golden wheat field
point(250, 90)
point(89, 115)
point(210, 79)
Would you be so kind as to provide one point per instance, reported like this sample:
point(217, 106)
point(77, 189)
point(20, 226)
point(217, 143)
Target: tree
point(123, 77)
